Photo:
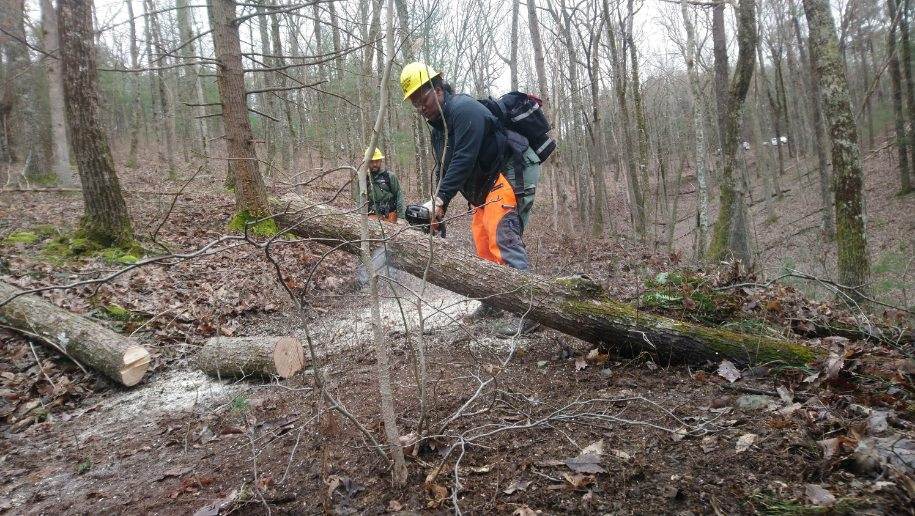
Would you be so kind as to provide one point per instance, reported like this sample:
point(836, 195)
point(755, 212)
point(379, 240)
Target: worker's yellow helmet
point(376, 155)
point(414, 75)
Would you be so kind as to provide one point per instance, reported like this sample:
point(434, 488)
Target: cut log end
point(288, 357)
point(136, 362)
point(251, 356)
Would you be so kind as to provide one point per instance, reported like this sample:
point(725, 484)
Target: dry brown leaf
point(517, 485)
point(585, 463)
point(745, 441)
point(596, 447)
point(578, 481)
point(524, 510)
point(728, 371)
point(819, 496)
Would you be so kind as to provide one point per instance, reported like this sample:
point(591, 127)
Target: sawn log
point(576, 307)
point(237, 357)
point(118, 357)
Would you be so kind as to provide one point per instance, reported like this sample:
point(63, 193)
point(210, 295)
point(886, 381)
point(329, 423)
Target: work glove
point(436, 206)
point(392, 217)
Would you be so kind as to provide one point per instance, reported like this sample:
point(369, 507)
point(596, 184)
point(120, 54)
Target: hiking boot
point(484, 311)
point(517, 326)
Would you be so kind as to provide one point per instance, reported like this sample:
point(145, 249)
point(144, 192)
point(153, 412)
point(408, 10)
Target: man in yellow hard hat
point(385, 195)
point(471, 157)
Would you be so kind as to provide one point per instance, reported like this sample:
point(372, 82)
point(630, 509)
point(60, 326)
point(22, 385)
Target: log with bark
point(89, 343)
point(574, 306)
point(251, 356)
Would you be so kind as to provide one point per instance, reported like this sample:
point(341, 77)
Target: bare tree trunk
point(537, 44)
point(250, 192)
point(905, 185)
point(166, 119)
point(61, 145)
point(636, 203)
point(816, 113)
point(106, 219)
point(137, 107)
point(641, 128)
point(698, 120)
point(720, 47)
point(191, 85)
point(381, 347)
point(28, 141)
point(731, 235)
point(287, 135)
point(267, 104)
point(851, 235)
point(513, 50)
point(597, 141)
point(909, 83)
point(576, 113)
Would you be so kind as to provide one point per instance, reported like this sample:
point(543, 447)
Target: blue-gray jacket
point(475, 153)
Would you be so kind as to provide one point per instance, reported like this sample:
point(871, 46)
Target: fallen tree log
point(574, 306)
point(118, 357)
point(251, 356)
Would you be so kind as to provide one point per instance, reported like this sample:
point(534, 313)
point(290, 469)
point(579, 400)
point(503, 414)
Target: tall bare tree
point(731, 234)
point(698, 123)
point(250, 192)
point(24, 138)
point(61, 146)
point(905, 184)
point(851, 235)
point(106, 219)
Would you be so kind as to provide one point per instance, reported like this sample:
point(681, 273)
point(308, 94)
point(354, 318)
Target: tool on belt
point(420, 217)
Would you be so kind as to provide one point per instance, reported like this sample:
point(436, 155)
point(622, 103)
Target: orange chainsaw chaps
point(496, 228)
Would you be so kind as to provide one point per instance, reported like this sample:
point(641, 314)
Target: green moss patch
point(30, 236)
point(65, 247)
point(21, 237)
point(257, 226)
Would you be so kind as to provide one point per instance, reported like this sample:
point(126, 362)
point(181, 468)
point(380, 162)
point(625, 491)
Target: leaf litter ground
point(671, 438)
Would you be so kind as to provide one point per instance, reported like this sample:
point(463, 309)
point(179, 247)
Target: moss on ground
point(30, 236)
point(20, 237)
point(257, 226)
point(71, 247)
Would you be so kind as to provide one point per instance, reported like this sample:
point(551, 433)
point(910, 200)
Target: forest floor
point(536, 424)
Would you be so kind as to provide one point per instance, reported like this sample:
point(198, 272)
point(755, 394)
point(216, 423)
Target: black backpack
point(521, 112)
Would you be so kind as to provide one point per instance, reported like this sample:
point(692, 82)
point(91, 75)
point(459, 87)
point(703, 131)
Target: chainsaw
point(420, 217)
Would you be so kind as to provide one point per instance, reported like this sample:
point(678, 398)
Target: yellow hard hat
point(377, 154)
point(415, 75)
